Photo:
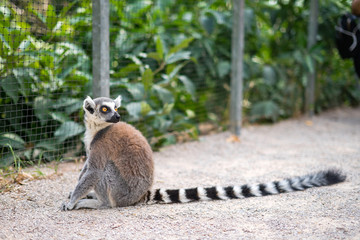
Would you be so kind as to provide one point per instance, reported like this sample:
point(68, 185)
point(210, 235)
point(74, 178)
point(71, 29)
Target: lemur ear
point(117, 101)
point(89, 105)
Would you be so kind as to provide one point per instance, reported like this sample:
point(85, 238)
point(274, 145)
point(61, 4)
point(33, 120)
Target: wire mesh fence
point(168, 60)
point(171, 62)
point(173, 50)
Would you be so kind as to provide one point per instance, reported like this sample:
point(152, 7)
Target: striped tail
point(323, 178)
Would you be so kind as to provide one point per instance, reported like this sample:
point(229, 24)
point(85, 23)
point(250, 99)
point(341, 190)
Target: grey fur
point(119, 165)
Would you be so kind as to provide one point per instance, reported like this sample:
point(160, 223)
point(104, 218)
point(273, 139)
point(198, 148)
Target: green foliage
point(37, 72)
point(277, 61)
point(160, 103)
point(202, 28)
point(171, 62)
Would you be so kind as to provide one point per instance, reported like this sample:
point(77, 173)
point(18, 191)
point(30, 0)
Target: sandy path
point(265, 153)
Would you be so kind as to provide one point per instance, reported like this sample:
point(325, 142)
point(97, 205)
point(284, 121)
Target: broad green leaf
point(189, 86)
point(6, 160)
point(68, 130)
point(69, 49)
point(137, 61)
point(23, 77)
point(51, 18)
point(47, 145)
point(265, 110)
point(136, 90)
point(209, 46)
point(67, 7)
point(147, 79)
point(219, 16)
point(167, 108)
point(60, 25)
point(14, 38)
point(165, 95)
point(65, 102)
point(163, 4)
point(4, 41)
point(162, 123)
point(76, 107)
point(145, 108)
point(298, 56)
point(223, 68)
point(134, 110)
point(11, 87)
point(70, 105)
point(208, 22)
point(36, 11)
point(176, 70)
point(155, 55)
point(67, 70)
point(159, 47)
point(125, 71)
point(184, 44)
point(51, 155)
point(36, 54)
point(29, 154)
point(41, 106)
point(269, 75)
point(24, 45)
point(165, 140)
point(14, 140)
point(138, 109)
point(249, 22)
point(183, 55)
point(5, 10)
point(60, 117)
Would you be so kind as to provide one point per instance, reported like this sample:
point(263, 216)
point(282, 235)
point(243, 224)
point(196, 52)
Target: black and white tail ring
point(322, 178)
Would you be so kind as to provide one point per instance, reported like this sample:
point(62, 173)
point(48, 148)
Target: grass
point(15, 175)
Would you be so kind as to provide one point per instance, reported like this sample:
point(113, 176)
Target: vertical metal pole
point(237, 55)
point(312, 32)
point(100, 48)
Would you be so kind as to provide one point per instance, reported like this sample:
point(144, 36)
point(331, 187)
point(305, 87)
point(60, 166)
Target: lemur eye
point(115, 109)
point(104, 109)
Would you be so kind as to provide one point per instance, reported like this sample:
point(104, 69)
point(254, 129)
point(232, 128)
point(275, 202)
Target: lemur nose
point(117, 116)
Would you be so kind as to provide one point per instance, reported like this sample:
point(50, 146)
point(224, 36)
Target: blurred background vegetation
point(171, 62)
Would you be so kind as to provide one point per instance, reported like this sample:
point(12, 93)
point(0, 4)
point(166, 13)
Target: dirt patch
point(264, 153)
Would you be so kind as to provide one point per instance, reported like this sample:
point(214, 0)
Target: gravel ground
point(265, 153)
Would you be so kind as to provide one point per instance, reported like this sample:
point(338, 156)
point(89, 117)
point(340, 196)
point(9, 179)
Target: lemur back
point(120, 169)
point(126, 158)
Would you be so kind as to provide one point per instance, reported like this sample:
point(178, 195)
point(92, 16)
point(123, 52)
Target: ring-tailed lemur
point(120, 168)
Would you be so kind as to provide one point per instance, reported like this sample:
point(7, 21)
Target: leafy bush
point(170, 60)
point(37, 73)
point(135, 25)
point(275, 83)
point(159, 100)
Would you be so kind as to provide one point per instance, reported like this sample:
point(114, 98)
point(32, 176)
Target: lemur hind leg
point(112, 187)
point(90, 204)
point(90, 195)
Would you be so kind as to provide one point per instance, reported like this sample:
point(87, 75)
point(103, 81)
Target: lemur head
point(102, 110)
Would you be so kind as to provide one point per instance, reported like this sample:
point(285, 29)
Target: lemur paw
point(67, 206)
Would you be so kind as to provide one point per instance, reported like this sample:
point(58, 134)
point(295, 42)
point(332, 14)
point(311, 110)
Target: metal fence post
point(100, 48)
point(312, 32)
point(237, 55)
